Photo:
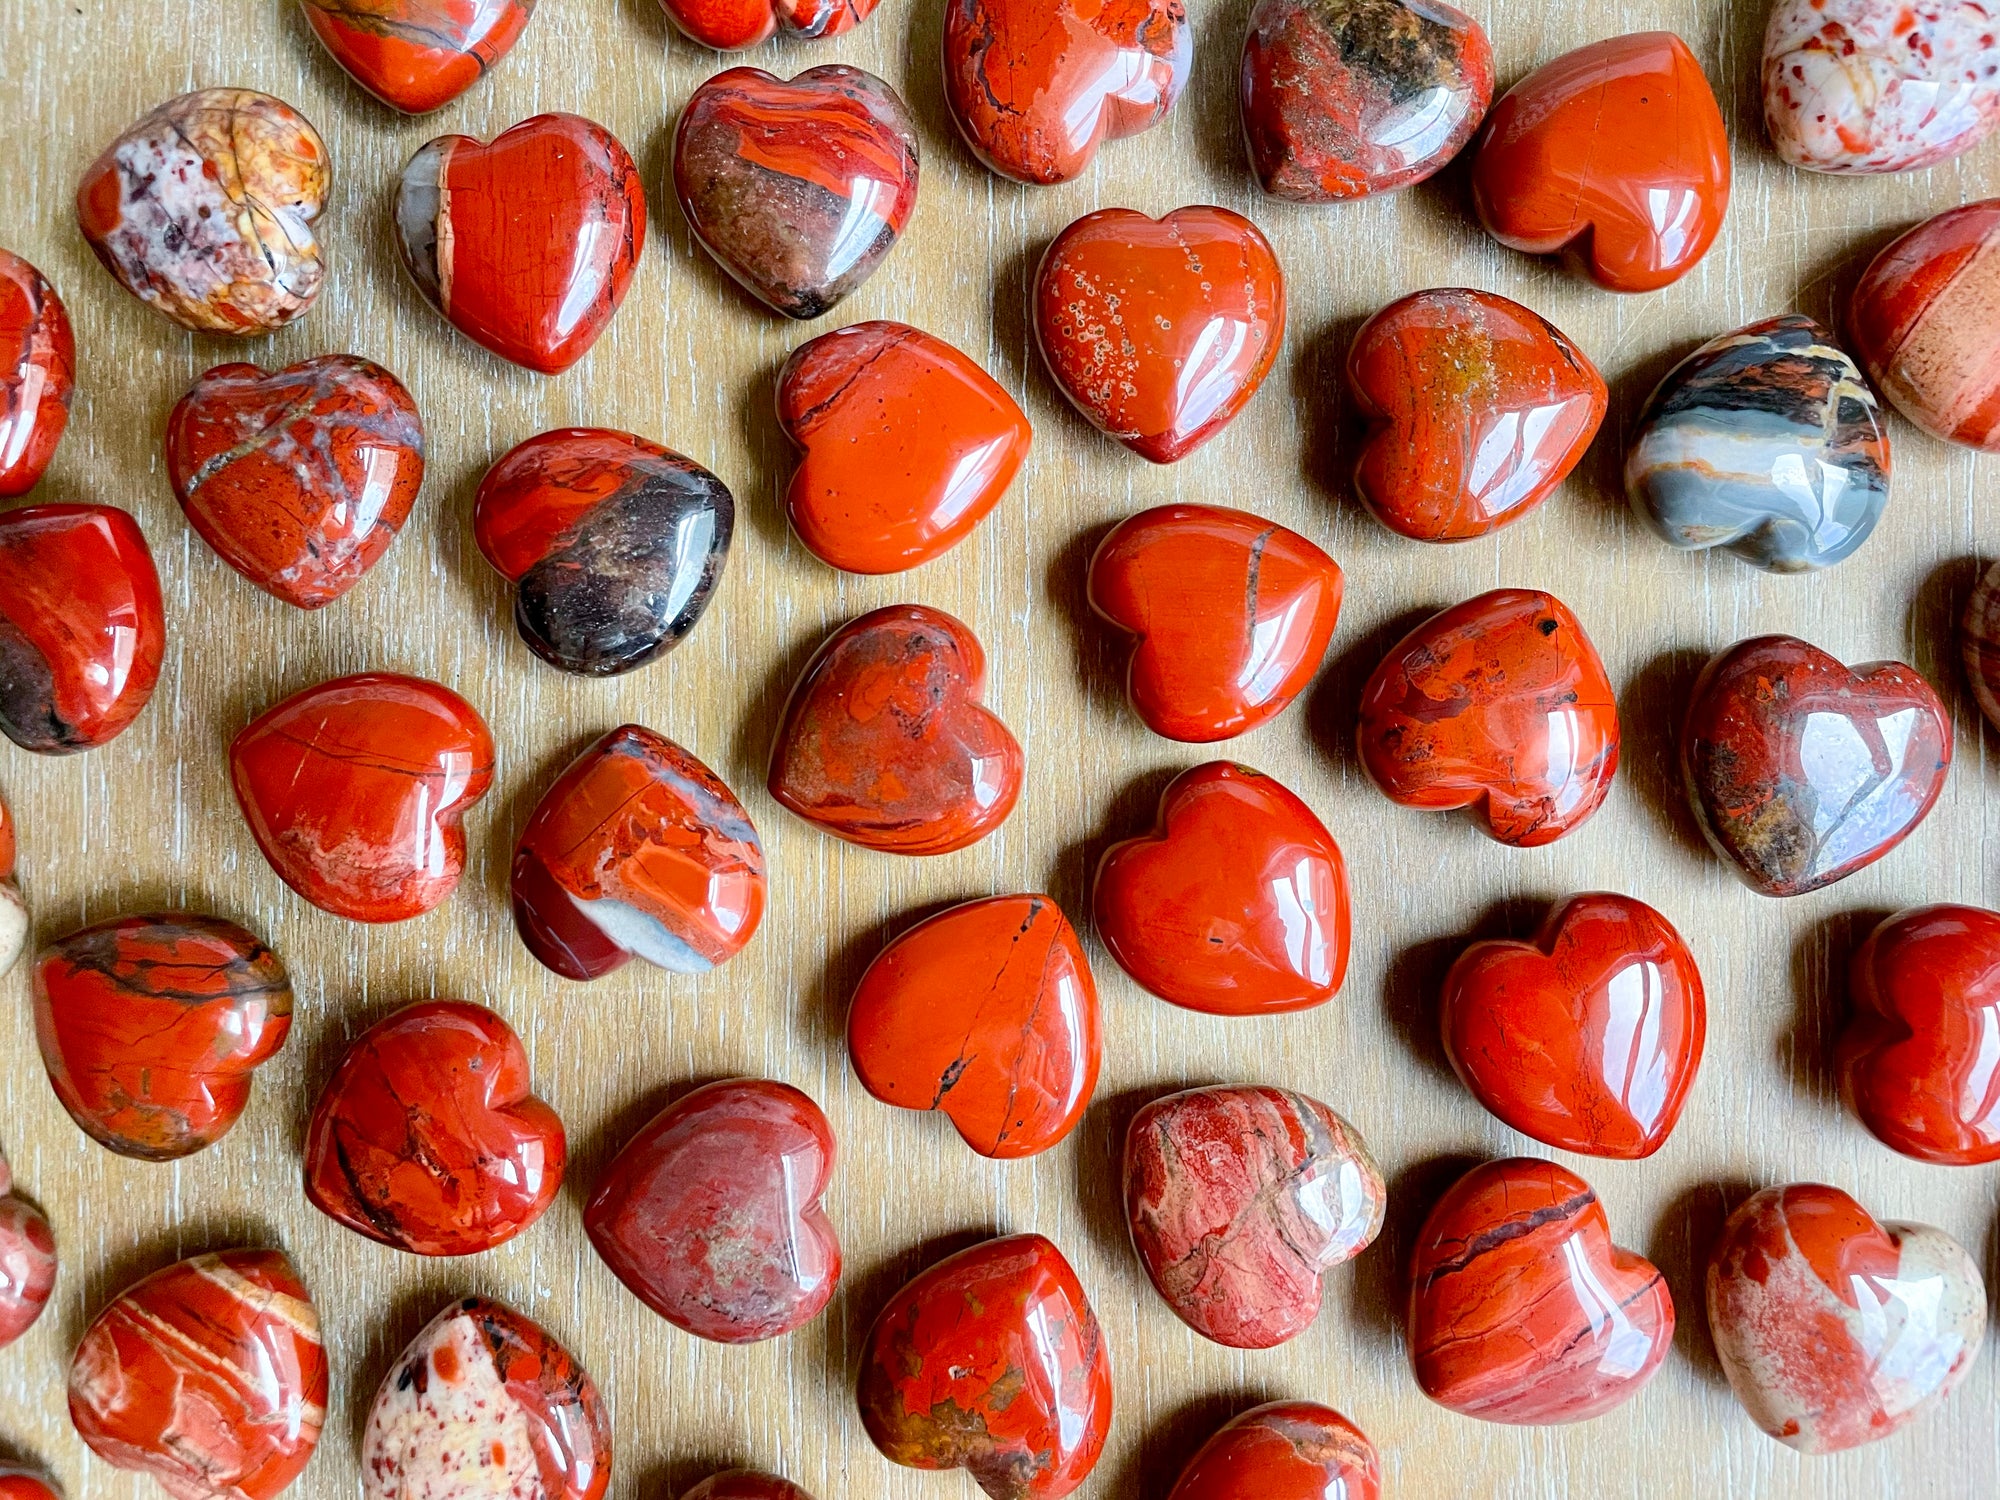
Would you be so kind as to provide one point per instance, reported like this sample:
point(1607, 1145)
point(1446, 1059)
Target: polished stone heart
point(1285, 1450)
point(14, 924)
point(37, 373)
point(1521, 1308)
point(17, 1483)
point(27, 1265)
point(528, 244)
point(732, 25)
point(417, 55)
point(1979, 644)
point(740, 1484)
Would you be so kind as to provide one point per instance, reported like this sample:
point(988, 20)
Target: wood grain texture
point(690, 361)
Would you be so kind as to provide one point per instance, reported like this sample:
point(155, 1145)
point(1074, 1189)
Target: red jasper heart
point(150, 1028)
point(27, 1269)
point(885, 743)
point(732, 25)
point(17, 1483)
point(418, 55)
point(527, 245)
point(37, 373)
point(987, 1012)
point(1587, 1038)
point(737, 1484)
point(301, 479)
point(1286, 1450)
point(1236, 903)
point(426, 1137)
point(712, 1213)
point(1521, 1308)
point(1233, 614)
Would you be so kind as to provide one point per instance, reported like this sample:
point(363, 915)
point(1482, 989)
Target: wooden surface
point(148, 821)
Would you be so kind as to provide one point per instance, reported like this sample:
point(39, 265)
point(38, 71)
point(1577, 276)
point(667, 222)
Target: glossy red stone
point(27, 1267)
point(885, 742)
point(1615, 154)
point(299, 479)
point(1521, 1308)
point(1477, 408)
point(26, 1484)
point(740, 1484)
point(732, 25)
point(355, 790)
point(427, 1137)
point(1231, 616)
point(712, 1216)
point(485, 1402)
point(151, 1027)
point(13, 910)
point(417, 55)
point(1160, 330)
point(991, 1361)
point(528, 244)
point(1499, 706)
point(1979, 644)
point(987, 1012)
point(208, 1375)
point(1285, 1450)
point(1239, 1199)
point(82, 629)
point(1802, 771)
point(1037, 85)
point(638, 848)
point(1235, 904)
point(37, 373)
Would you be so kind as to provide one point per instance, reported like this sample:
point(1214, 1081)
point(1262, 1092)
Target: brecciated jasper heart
point(907, 445)
point(987, 1012)
point(1286, 1450)
point(37, 373)
point(732, 25)
point(1232, 615)
point(485, 1402)
point(27, 1267)
point(355, 790)
point(417, 55)
point(427, 1138)
point(1235, 904)
point(1477, 409)
point(300, 479)
point(528, 244)
point(1521, 1308)
point(1586, 1038)
point(1238, 1200)
point(799, 189)
point(1835, 1330)
point(711, 1215)
point(1499, 706)
point(992, 1361)
point(885, 742)
point(638, 848)
point(1159, 330)
point(614, 545)
point(151, 1026)
point(82, 630)
point(1801, 771)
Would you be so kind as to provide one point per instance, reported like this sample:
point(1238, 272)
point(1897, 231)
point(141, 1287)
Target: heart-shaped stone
point(37, 373)
point(1521, 1308)
point(738, 1484)
point(1586, 1038)
point(1914, 1060)
point(799, 189)
point(1477, 408)
point(1286, 1450)
point(485, 1402)
point(26, 1484)
point(1036, 85)
point(427, 1138)
point(301, 479)
point(208, 1375)
point(885, 742)
point(203, 210)
point(355, 790)
point(712, 1216)
point(27, 1264)
point(82, 630)
point(1342, 98)
point(638, 848)
point(732, 25)
point(1979, 644)
point(1801, 771)
point(417, 55)
point(991, 1361)
point(151, 1026)
point(614, 545)
point(908, 444)
point(13, 910)
point(1235, 904)
point(1159, 330)
point(1232, 615)
point(1615, 154)
point(1499, 706)
point(1835, 1330)
point(987, 1012)
point(1239, 1199)
point(526, 245)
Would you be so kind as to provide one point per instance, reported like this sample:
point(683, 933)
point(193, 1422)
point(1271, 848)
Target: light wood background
point(148, 822)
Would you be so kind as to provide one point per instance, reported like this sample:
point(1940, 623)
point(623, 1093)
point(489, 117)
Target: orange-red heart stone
point(417, 55)
point(1286, 1450)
